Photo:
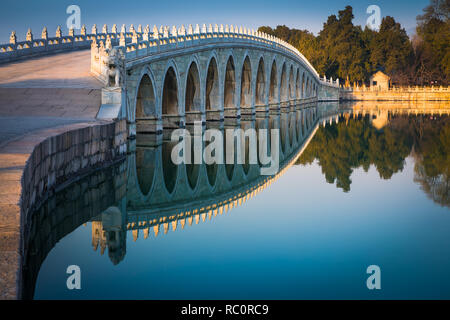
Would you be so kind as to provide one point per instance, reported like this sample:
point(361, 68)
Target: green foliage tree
point(432, 44)
point(343, 50)
point(391, 49)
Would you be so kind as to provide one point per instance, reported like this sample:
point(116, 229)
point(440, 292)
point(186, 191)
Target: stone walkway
point(39, 98)
point(64, 70)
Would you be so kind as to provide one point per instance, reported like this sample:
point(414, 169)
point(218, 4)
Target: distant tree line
point(342, 50)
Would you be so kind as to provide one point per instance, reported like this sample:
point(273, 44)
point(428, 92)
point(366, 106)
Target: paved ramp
point(47, 92)
point(64, 70)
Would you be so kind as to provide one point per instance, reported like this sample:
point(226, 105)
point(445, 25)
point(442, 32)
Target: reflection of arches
point(230, 84)
point(212, 86)
point(292, 130)
point(246, 84)
point(283, 129)
point(211, 171)
point(283, 85)
point(298, 124)
point(260, 84)
point(170, 93)
point(193, 100)
point(145, 168)
point(192, 170)
point(273, 87)
point(169, 168)
point(145, 101)
point(228, 146)
point(115, 234)
point(304, 122)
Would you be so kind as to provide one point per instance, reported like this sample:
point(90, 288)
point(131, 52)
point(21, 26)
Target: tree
point(391, 50)
point(342, 49)
point(432, 45)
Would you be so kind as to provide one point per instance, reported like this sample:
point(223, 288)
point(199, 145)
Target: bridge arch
point(170, 94)
point(283, 84)
point(298, 85)
point(193, 100)
point(273, 83)
point(212, 92)
point(307, 87)
point(246, 83)
point(260, 91)
point(145, 100)
point(303, 84)
point(229, 86)
point(291, 84)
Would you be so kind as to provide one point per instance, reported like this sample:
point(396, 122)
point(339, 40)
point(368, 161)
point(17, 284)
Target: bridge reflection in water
point(146, 193)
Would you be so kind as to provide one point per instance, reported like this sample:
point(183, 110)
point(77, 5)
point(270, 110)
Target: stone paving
point(64, 70)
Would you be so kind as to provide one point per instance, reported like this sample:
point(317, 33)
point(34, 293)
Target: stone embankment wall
point(396, 94)
point(61, 159)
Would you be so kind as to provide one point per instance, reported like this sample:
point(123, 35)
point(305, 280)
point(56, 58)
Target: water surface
point(368, 190)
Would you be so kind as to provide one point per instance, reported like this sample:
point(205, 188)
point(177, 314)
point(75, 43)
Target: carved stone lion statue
point(115, 68)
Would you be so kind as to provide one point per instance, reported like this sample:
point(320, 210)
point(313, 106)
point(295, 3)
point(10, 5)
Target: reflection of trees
point(432, 154)
point(350, 144)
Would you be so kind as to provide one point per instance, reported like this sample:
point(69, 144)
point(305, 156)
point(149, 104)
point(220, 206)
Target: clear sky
point(19, 15)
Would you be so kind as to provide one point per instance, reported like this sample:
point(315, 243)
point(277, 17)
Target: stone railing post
point(58, 32)
point(29, 37)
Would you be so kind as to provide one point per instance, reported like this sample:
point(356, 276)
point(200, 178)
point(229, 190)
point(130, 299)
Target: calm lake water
point(371, 189)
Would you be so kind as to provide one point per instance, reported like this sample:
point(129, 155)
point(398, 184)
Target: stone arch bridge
point(169, 78)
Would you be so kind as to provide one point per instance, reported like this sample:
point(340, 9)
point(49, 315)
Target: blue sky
point(20, 15)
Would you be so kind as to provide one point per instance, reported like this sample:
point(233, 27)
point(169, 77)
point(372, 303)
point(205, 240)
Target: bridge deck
point(47, 92)
point(63, 70)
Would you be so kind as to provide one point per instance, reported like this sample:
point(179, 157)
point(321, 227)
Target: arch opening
point(273, 87)
point(246, 84)
point(193, 100)
point(260, 84)
point(212, 86)
point(284, 85)
point(291, 84)
point(230, 84)
point(145, 102)
point(170, 93)
point(307, 88)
